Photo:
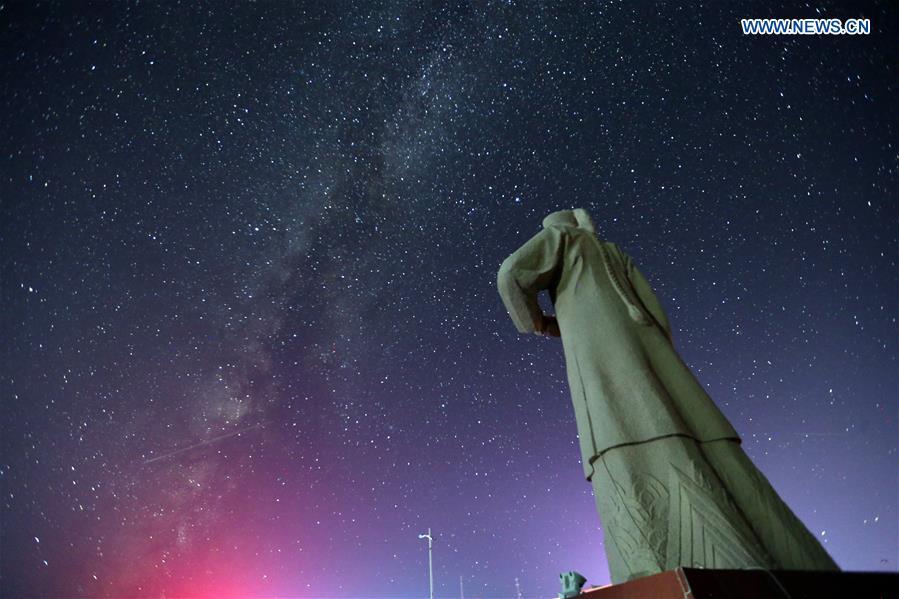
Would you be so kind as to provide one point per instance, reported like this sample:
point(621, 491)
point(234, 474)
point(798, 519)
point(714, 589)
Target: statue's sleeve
point(646, 295)
point(532, 268)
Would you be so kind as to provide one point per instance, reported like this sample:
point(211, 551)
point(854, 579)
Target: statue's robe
point(650, 437)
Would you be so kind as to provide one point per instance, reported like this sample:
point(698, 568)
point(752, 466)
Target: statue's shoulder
point(614, 250)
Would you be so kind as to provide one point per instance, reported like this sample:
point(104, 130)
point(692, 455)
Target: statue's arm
point(525, 273)
point(646, 295)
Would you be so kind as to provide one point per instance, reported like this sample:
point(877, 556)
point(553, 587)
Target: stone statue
point(672, 485)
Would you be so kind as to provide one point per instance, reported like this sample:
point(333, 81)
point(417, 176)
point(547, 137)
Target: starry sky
point(252, 342)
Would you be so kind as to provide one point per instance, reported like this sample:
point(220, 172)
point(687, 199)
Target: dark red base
point(695, 583)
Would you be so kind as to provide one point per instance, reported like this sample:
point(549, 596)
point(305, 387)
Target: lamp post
point(430, 562)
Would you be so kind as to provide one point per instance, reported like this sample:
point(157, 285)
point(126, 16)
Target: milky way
point(253, 344)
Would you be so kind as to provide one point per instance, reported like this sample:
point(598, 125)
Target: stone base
point(695, 583)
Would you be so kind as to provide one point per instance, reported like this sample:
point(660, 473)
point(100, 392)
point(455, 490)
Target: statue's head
point(560, 217)
point(571, 218)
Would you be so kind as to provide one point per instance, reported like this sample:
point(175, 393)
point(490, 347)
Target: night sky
point(252, 342)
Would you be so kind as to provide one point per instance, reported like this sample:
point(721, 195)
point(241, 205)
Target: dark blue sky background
point(252, 339)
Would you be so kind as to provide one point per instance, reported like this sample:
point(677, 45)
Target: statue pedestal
point(696, 583)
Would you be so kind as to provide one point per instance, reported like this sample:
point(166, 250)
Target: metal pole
point(430, 565)
point(430, 562)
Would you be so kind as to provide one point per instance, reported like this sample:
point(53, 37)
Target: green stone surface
point(672, 485)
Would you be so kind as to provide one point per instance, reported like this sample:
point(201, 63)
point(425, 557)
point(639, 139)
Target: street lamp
point(430, 562)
